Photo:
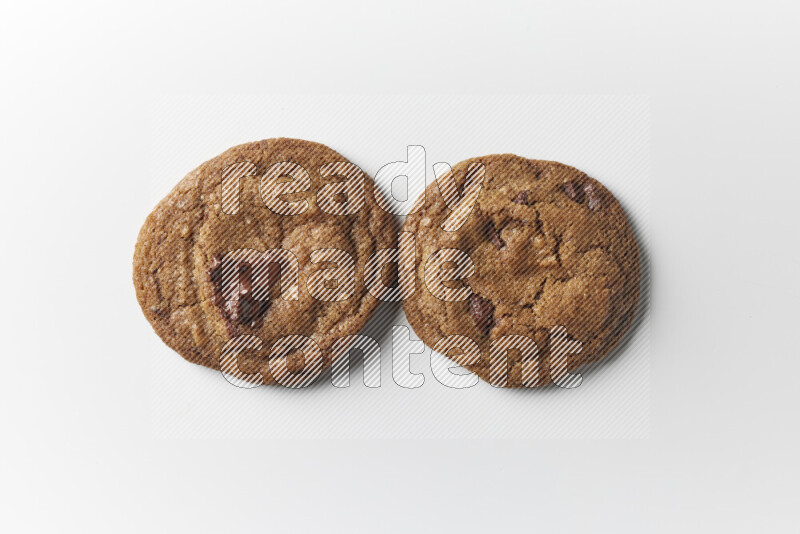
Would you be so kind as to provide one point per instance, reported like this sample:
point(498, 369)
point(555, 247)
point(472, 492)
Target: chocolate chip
point(232, 310)
point(245, 310)
point(482, 312)
point(523, 198)
point(494, 237)
point(245, 279)
point(574, 192)
point(595, 201)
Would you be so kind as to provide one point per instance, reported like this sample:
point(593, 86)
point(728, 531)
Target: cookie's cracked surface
point(551, 247)
point(177, 264)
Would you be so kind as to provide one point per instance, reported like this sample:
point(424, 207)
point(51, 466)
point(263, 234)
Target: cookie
point(553, 261)
point(267, 240)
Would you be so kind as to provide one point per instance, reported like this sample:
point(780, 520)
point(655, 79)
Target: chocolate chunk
point(482, 312)
point(574, 192)
point(245, 279)
point(245, 310)
point(494, 237)
point(595, 202)
point(523, 198)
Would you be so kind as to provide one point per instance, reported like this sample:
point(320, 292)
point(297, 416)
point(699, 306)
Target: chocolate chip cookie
point(553, 260)
point(269, 239)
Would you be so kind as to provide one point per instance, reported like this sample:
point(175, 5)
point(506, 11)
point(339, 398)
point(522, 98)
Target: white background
point(79, 85)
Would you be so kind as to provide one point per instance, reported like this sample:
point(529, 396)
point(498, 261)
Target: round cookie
point(285, 194)
point(555, 262)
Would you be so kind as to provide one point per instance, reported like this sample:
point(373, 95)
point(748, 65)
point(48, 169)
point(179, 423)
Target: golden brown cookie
point(554, 260)
point(200, 270)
